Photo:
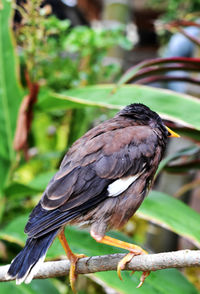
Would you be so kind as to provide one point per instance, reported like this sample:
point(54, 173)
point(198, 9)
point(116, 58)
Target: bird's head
point(143, 115)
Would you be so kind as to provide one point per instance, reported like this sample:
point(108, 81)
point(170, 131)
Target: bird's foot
point(128, 258)
point(72, 273)
point(133, 251)
point(73, 258)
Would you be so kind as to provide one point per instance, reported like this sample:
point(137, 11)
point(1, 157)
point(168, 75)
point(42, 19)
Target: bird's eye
point(168, 134)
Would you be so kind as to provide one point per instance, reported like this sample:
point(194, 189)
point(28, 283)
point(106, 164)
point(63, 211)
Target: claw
point(121, 265)
point(72, 276)
point(125, 260)
point(142, 278)
point(72, 272)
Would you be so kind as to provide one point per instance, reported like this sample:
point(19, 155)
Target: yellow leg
point(134, 250)
point(73, 259)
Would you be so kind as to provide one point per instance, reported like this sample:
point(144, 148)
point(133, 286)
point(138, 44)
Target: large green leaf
point(173, 214)
point(10, 92)
point(160, 282)
point(178, 107)
point(37, 286)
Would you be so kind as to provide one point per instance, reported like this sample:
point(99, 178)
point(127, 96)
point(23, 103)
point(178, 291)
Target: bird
point(102, 180)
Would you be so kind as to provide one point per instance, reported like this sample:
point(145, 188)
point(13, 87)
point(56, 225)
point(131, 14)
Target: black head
point(143, 115)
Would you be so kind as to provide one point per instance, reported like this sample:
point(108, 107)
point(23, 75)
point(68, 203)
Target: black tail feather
point(23, 267)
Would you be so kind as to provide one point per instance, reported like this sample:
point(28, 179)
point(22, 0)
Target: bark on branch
point(150, 262)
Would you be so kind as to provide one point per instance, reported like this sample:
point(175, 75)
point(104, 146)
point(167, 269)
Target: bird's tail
point(27, 263)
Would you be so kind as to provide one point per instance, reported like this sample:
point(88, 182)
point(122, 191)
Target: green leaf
point(183, 167)
point(189, 151)
point(160, 282)
point(19, 191)
point(10, 92)
point(41, 181)
point(171, 105)
point(36, 286)
point(172, 214)
point(38, 184)
point(14, 231)
point(188, 132)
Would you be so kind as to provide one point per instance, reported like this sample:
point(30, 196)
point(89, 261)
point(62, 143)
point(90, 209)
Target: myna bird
point(102, 181)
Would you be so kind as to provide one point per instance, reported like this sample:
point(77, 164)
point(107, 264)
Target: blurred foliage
point(59, 58)
point(176, 9)
point(173, 19)
point(62, 57)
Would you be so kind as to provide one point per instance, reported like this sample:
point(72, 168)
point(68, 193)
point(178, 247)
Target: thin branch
point(187, 187)
point(179, 24)
point(183, 23)
point(150, 262)
point(190, 37)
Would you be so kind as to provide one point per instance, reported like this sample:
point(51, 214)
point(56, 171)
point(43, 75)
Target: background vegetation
point(50, 75)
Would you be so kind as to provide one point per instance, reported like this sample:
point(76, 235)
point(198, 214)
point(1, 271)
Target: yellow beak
point(173, 134)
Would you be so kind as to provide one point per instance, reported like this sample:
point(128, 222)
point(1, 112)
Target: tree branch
point(150, 262)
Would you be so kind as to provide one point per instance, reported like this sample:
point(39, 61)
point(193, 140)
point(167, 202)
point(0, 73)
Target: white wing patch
point(120, 185)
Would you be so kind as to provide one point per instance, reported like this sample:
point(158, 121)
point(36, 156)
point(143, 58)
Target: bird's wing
point(86, 172)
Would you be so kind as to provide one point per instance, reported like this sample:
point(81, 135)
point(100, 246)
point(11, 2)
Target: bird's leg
point(133, 251)
point(72, 257)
